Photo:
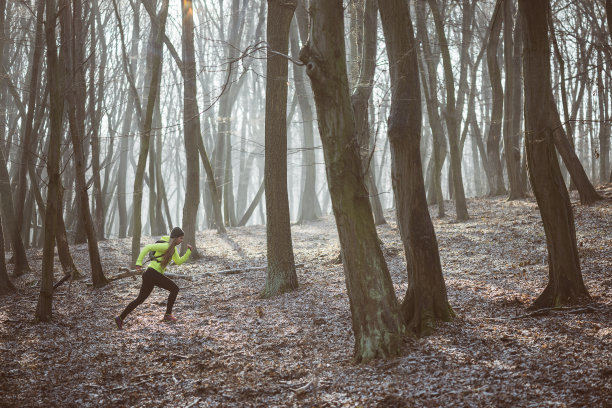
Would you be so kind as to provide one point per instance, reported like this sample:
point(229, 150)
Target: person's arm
point(180, 259)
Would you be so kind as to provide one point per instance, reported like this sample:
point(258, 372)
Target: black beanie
point(176, 232)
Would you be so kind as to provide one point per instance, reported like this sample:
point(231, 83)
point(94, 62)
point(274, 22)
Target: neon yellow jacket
point(160, 249)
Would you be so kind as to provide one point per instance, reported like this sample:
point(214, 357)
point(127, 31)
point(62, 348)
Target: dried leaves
point(231, 348)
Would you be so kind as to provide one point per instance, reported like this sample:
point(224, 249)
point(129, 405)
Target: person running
point(164, 252)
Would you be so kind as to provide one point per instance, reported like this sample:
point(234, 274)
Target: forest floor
point(231, 348)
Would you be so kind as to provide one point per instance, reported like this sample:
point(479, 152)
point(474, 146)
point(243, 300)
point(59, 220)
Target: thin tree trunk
point(159, 24)
point(451, 116)
point(6, 286)
point(360, 97)
point(75, 106)
point(430, 92)
point(191, 123)
point(510, 132)
point(55, 77)
point(497, 109)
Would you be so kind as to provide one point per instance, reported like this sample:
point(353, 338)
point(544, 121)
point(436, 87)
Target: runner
point(164, 252)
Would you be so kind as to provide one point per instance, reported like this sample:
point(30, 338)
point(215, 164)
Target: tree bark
point(377, 324)
point(281, 276)
point(565, 284)
point(361, 96)
point(75, 101)
point(55, 76)
point(430, 90)
point(451, 116)
point(510, 132)
point(27, 149)
point(497, 109)
point(426, 299)
point(310, 208)
point(191, 123)
point(6, 196)
point(6, 286)
point(156, 62)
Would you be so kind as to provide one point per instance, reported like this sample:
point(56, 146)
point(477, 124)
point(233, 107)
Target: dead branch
point(240, 270)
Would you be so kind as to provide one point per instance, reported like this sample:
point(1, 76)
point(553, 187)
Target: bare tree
point(565, 283)
point(451, 115)
point(191, 123)
point(55, 75)
point(377, 325)
point(426, 299)
point(281, 276)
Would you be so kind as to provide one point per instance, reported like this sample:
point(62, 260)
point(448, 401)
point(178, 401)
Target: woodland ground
point(231, 348)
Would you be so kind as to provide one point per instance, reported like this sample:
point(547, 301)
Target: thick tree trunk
point(451, 116)
point(377, 324)
point(497, 109)
point(55, 76)
point(565, 283)
point(426, 299)
point(191, 123)
point(281, 276)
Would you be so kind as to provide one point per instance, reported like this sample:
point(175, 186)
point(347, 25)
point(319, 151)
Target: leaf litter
point(232, 348)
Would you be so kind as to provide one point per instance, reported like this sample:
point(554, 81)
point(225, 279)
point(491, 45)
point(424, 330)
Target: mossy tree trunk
point(377, 324)
point(281, 276)
point(565, 284)
point(426, 299)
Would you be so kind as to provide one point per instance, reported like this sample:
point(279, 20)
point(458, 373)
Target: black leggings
point(151, 278)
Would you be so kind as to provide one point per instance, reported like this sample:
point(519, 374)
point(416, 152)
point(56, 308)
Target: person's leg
point(166, 283)
point(145, 290)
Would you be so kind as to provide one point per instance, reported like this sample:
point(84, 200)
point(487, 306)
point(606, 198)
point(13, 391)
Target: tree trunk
point(74, 95)
point(159, 27)
point(510, 132)
point(61, 239)
point(497, 109)
point(55, 76)
point(376, 319)
point(565, 284)
point(28, 134)
point(431, 100)
point(451, 116)
point(6, 196)
point(361, 96)
point(6, 286)
point(281, 276)
point(426, 299)
point(310, 209)
point(191, 123)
